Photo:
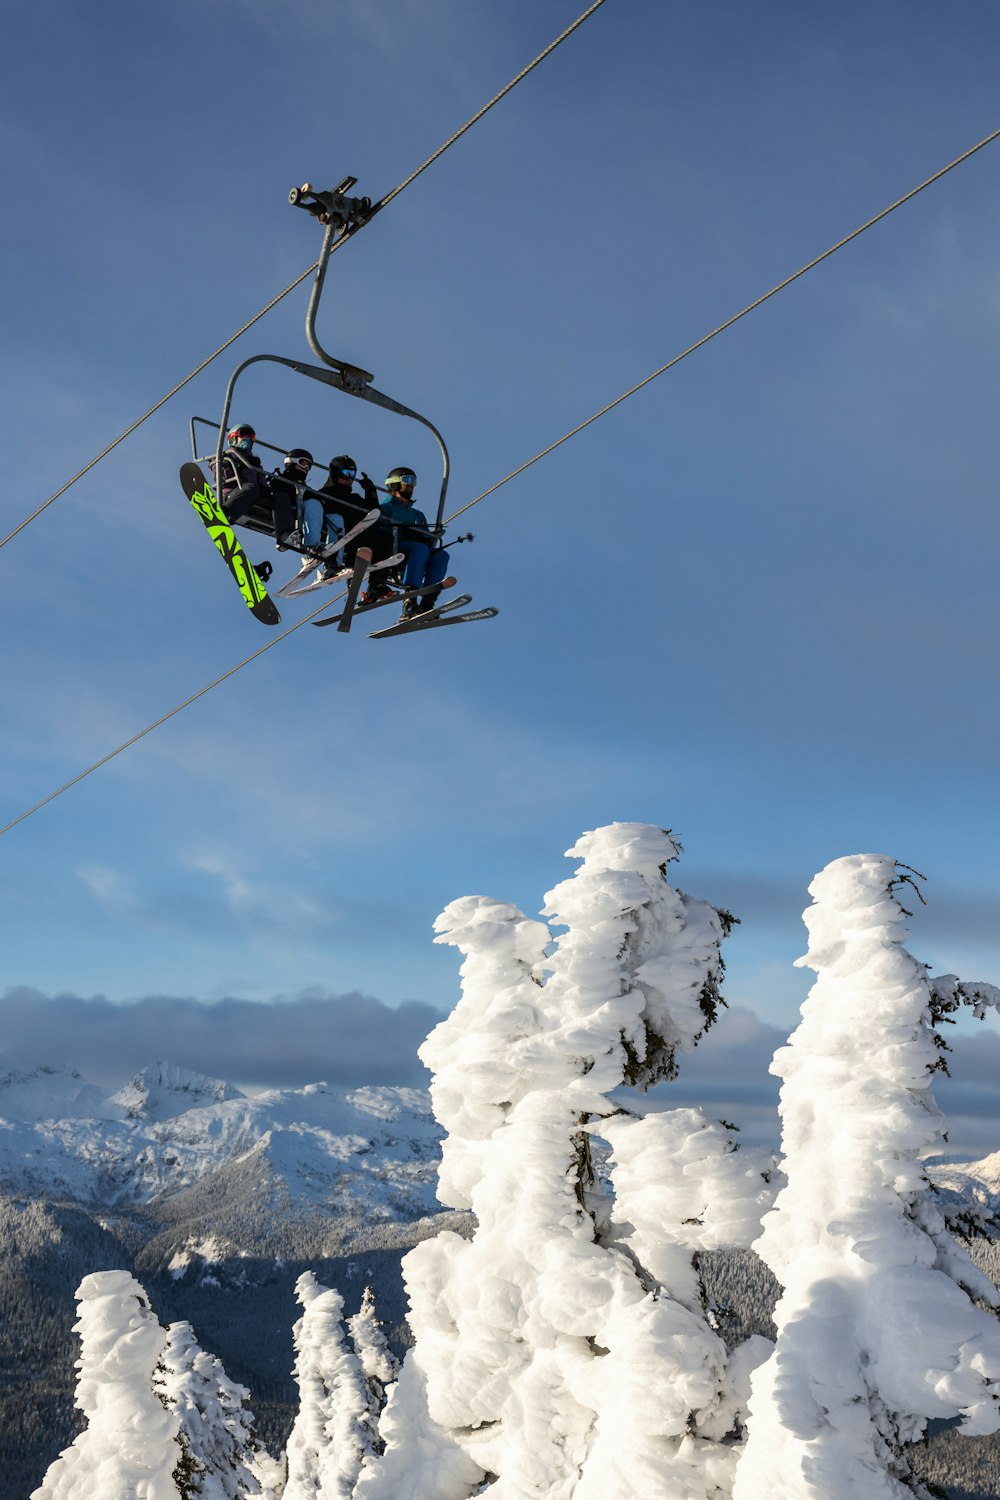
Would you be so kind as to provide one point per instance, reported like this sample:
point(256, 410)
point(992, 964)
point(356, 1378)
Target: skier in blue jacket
point(425, 566)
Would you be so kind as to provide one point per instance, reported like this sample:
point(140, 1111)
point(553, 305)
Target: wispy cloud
point(106, 886)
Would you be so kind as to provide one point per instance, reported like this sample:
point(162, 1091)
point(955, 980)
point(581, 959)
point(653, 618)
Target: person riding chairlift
point(241, 482)
point(243, 485)
point(339, 496)
point(425, 567)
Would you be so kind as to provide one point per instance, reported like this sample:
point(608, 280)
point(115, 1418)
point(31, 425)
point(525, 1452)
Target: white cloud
point(290, 1040)
point(104, 884)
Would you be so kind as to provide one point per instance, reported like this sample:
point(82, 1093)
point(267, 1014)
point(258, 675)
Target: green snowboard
point(202, 497)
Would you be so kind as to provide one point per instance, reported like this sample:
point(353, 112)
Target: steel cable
point(750, 307)
point(82, 775)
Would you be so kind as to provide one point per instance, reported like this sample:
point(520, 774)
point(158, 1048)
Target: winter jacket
point(407, 517)
point(284, 485)
point(240, 469)
point(341, 500)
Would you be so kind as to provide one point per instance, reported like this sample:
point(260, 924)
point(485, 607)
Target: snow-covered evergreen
point(332, 1434)
point(683, 1184)
point(130, 1446)
point(552, 1356)
point(370, 1345)
point(221, 1460)
point(378, 1363)
point(877, 1327)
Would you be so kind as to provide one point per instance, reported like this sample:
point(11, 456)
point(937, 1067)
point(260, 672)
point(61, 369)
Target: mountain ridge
point(371, 1150)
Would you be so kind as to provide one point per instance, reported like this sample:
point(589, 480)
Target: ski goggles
point(241, 438)
point(408, 481)
point(350, 472)
point(305, 464)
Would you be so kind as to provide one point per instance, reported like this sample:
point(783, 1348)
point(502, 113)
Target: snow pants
point(424, 568)
point(319, 526)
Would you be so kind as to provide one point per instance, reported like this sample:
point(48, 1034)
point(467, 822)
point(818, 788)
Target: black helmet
point(241, 437)
point(299, 458)
point(343, 465)
point(401, 477)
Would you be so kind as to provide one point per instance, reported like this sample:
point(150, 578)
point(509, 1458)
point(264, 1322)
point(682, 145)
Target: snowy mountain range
point(370, 1151)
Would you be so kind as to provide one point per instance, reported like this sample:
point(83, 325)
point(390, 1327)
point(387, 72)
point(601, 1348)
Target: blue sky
point(755, 604)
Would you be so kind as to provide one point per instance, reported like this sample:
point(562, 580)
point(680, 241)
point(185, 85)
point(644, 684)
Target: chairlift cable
point(495, 100)
point(82, 775)
point(514, 472)
point(382, 203)
point(162, 402)
point(751, 306)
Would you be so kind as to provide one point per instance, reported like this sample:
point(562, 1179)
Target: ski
point(245, 576)
point(399, 597)
point(362, 561)
point(434, 617)
point(431, 622)
point(345, 573)
point(458, 601)
point(289, 591)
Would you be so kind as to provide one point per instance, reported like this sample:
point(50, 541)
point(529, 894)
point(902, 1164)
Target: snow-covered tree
point(332, 1432)
point(370, 1344)
point(129, 1447)
point(550, 1358)
point(877, 1327)
point(378, 1363)
point(221, 1459)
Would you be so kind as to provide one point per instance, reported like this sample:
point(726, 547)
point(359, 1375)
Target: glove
point(368, 489)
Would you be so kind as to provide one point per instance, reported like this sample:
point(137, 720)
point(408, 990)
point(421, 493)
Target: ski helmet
point(400, 477)
point(298, 458)
point(344, 465)
point(242, 437)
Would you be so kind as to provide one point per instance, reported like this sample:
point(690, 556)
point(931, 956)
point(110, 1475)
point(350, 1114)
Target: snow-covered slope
point(977, 1181)
point(368, 1150)
point(49, 1093)
point(162, 1091)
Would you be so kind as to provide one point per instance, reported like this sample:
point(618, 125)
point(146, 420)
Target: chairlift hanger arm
point(344, 216)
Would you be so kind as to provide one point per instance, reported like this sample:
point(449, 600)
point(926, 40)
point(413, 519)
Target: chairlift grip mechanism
point(342, 214)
